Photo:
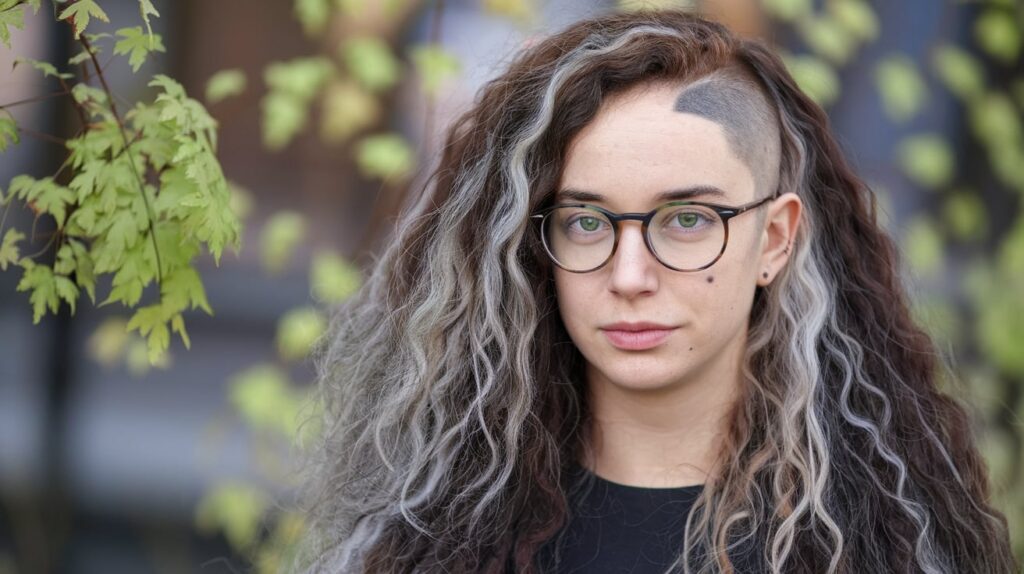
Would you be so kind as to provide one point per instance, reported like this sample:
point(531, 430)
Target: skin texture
point(658, 412)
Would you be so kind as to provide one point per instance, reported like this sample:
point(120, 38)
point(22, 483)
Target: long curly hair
point(454, 404)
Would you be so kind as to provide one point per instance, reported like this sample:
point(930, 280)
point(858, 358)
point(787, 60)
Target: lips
point(636, 336)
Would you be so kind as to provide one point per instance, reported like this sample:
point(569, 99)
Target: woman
point(643, 269)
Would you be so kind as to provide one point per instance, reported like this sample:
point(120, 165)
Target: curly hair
point(452, 394)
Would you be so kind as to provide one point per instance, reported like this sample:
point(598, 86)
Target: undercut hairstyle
point(734, 102)
point(454, 405)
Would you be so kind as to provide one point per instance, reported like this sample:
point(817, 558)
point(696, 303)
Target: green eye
point(589, 223)
point(688, 219)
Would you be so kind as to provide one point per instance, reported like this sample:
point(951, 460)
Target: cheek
point(572, 296)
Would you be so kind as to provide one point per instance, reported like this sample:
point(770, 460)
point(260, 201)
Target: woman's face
point(636, 148)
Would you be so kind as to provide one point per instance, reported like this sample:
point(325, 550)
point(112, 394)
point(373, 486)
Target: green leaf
point(964, 214)
point(65, 264)
point(79, 58)
point(312, 14)
point(1000, 329)
point(297, 331)
point(284, 116)
point(122, 232)
point(13, 16)
point(827, 38)
point(40, 280)
point(901, 87)
point(282, 233)
point(1010, 259)
point(347, 110)
point(151, 322)
point(332, 278)
point(526, 10)
point(225, 84)
point(385, 156)
point(857, 17)
point(923, 245)
point(131, 277)
point(9, 248)
point(8, 132)
point(81, 12)
point(300, 77)
point(178, 325)
point(183, 287)
point(927, 160)
point(46, 68)
point(998, 34)
point(66, 290)
point(995, 120)
point(234, 508)
point(146, 10)
point(84, 274)
point(435, 65)
point(370, 61)
point(1008, 164)
point(137, 45)
point(43, 195)
point(54, 199)
point(959, 71)
point(787, 10)
point(285, 107)
point(263, 396)
point(815, 77)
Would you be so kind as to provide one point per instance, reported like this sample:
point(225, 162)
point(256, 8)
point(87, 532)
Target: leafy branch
point(139, 195)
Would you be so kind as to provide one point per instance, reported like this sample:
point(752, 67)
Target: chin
point(641, 373)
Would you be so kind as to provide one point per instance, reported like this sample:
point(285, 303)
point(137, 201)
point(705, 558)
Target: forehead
point(638, 148)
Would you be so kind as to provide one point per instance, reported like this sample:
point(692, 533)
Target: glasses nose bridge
point(643, 218)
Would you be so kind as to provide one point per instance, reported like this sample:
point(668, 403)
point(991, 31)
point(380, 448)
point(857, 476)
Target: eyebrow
point(670, 195)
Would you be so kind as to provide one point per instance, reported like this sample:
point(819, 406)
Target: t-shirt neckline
point(632, 488)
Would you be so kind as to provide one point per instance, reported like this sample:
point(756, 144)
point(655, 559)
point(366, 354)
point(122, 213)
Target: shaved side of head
point(749, 121)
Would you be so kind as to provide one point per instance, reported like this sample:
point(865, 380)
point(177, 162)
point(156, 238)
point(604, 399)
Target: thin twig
point(43, 136)
point(34, 99)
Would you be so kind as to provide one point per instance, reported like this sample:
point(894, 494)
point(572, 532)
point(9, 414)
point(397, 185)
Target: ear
point(778, 237)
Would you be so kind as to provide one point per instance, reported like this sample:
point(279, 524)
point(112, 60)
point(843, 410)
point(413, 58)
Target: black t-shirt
point(620, 529)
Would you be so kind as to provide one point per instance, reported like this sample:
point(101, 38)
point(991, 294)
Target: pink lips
point(636, 336)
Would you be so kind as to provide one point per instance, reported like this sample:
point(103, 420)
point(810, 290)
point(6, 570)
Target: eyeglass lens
point(685, 237)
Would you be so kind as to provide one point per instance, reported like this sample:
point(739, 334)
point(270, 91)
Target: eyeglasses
point(682, 235)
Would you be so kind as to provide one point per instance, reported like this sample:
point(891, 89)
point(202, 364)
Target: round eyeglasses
point(682, 235)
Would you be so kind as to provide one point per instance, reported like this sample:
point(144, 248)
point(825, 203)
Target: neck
point(664, 437)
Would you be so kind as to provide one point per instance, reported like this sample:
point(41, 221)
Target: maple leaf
point(81, 11)
point(137, 45)
point(13, 16)
point(151, 322)
point(40, 279)
point(9, 248)
point(8, 131)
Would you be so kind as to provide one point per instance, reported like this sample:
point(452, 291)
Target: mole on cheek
point(711, 279)
point(691, 348)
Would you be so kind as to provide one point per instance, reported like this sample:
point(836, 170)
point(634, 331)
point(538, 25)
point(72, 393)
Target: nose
point(634, 270)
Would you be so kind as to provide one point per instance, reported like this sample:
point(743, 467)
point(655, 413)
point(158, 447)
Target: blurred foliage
point(977, 315)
